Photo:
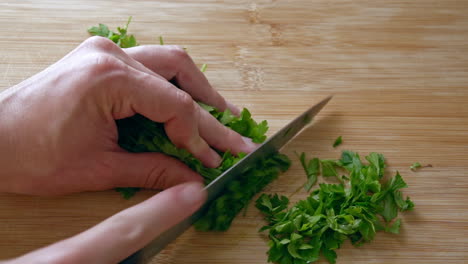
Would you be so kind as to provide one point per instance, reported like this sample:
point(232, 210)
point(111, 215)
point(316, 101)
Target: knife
point(216, 187)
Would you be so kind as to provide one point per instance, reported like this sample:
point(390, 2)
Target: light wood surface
point(398, 71)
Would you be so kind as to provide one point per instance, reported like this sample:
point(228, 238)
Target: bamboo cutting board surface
point(398, 71)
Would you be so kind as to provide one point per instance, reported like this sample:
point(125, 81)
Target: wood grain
point(398, 70)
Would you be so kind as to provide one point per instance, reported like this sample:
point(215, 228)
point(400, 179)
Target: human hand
point(124, 233)
point(58, 134)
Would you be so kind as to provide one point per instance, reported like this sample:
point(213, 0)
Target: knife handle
point(135, 258)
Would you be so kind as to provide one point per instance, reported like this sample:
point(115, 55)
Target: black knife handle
point(135, 258)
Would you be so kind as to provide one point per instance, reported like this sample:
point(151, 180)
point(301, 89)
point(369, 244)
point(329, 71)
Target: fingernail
point(193, 193)
point(234, 109)
point(250, 146)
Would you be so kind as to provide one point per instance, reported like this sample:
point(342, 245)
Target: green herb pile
point(139, 134)
point(355, 209)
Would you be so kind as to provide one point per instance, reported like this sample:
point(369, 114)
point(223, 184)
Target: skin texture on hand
point(58, 133)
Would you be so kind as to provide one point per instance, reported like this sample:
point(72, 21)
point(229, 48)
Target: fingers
point(222, 137)
point(148, 170)
point(124, 233)
point(172, 62)
point(162, 102)
point(146, 92)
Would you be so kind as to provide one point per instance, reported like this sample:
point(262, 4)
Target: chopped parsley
point(338, 142)
point(355, 209)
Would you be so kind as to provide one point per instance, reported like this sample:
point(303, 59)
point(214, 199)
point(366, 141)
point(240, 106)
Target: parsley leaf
point(377, 163)
point(312, 169)
point(247, 127)
point(394, 228)
point(416, 166)
point(328, 168)
point(350, 161)
point(338, 142)
point(101, 30)
point(121, 38)
point(203, 67)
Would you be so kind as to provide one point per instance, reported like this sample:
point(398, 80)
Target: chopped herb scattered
point(203, 67)
point(338, 142)
point(355, 209)
point(416, 166)
point(312, 169)
point(139, 134)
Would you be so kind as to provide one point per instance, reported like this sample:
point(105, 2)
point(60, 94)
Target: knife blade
point(216, 187)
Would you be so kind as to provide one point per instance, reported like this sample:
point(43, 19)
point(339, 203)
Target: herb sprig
point(121, 38)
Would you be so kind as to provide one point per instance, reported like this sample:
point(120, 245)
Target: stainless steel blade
point(215, 188)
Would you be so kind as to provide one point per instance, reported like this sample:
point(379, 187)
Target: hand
point(58, 134)
point(122, 234)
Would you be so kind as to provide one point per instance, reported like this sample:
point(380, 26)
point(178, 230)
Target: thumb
point(124, 233)
point(148, 170)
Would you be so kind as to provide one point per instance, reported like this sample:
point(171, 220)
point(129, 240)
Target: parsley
point(121, 38)
point(127, 192)
point(328, 168)
point(416, 166)
point(338, 142)
point(312, 169)
point(139, 134)
point(354, 209)
point(203, 67)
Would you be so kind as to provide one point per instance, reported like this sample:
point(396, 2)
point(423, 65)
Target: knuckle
point(186, 102)
point(179, 133)
point(100, 43)
point(227, 138)
point(99, 63)
point(157, 176)
point(179, 53)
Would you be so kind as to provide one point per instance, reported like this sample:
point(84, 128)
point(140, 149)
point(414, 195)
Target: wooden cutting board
point(398, 70)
